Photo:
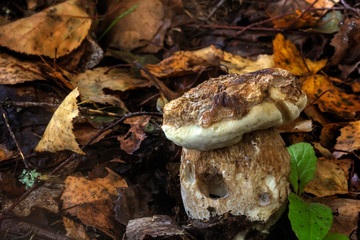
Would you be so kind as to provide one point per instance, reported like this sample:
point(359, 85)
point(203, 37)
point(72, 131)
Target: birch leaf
point(59, 132)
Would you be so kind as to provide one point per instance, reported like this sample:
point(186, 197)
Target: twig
point(322, 94)
point(347, 6)
point(215, 8)
point(72, 157)
point(302, 14)
point(14, 139)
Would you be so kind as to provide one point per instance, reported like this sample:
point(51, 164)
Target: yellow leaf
point(334, 100)
point(330, 179)
point(58, 134)
point(61, 27)
point(287, 56)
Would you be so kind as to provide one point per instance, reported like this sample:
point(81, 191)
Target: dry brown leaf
point(5, 153)
point(58, 134)
point(60, 28)
point(13, 70)
point(44, 197)
point(85, 132)
point(100, 215)
point(349, 139)
point(132, 140)
point(75, 230)
point(298, 125)
point(334, 100)
point(330, 179)
point(92, 83)
point(78, 190)
point(287, 56)
point(142, 29)
point(186, 62)
point(295, 21)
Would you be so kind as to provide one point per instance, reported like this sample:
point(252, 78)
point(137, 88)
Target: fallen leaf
point(298, 125)
point(78, 190)
point(100, 215)
point(133, 202)
point(13, 70)
point(132, 140)
point(349, 139)
point(58, 29)
point(295, 21)
point(334, 100)
point(10, 184)
point(347, 42)
point(287, 56)
point(44, 197)
point(186, 62)
point(330, 179)
point(346, 215)
point(5, 153)
point(92, 83)
point(75, 230)
point(58, 134)
point(85, 132)
point(143, 28)
point(323, 3)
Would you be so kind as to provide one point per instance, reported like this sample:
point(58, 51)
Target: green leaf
point(336, 236)
point(303, 165)
point(310, 221)
point(330, 22)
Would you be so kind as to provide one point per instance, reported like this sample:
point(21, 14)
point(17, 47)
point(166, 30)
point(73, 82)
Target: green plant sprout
point(116, 20)
point(309, 221)
point(28, 178)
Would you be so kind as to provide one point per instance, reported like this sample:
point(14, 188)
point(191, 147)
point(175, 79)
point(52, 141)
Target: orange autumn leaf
point(287, 56)
point(349, 139)
point(296, 20)
point(334, 100)
point(60, 28)
point(79, 190)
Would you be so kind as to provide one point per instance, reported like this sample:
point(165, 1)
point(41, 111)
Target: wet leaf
point(349, 139)
point(13, 70)
point(131, 141)
point(92, 83)
point(60, 29)
point(303, 165)
point(78, 190)
point(310, 221)
point(58, 134)
point(330, 23)
point(334, 100)
point(330, 179)
point(287, 56)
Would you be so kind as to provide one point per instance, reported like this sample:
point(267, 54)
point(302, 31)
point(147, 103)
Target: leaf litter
point(193, 42)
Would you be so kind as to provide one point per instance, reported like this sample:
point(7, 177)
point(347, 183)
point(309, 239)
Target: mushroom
point(233, 159)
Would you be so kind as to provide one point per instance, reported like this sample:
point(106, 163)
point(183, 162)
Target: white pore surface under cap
point(228, 132)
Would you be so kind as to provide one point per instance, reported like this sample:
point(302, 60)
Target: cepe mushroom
point(233, 159)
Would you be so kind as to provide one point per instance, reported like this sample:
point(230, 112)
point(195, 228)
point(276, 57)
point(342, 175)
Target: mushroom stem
point(249, 178)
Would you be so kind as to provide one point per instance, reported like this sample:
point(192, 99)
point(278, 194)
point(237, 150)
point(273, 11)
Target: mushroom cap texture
point(249, 178)
point(219, 111)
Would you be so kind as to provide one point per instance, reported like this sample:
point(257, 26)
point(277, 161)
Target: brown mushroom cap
point(218, 112)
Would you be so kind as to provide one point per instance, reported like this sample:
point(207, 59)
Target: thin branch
point(14, 138)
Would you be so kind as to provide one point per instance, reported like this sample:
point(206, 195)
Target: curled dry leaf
point(330, 179)
point(92, 83)
point(59, 134)
point(13, 70)
point(334, 100)
point(132, 140)
point(79, 190)
point(186, 62)
point(287, 56)
point(349, 139)
point(60, 28)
